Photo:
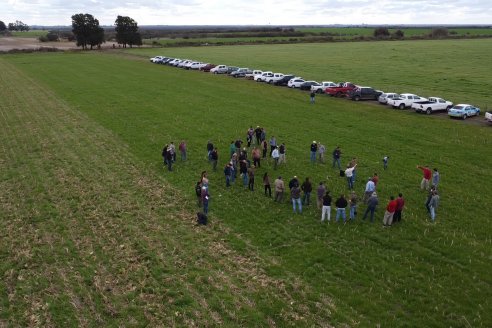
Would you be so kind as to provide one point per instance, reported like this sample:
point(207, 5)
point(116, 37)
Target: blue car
point(463, 111)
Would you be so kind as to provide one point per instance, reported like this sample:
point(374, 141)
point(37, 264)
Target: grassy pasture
point(409, 32)
point(415, 274)
point(29, 34)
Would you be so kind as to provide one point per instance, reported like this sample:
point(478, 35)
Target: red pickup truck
point(341, 90)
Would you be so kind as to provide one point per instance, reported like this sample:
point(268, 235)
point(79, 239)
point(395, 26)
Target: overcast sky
point(251, 12)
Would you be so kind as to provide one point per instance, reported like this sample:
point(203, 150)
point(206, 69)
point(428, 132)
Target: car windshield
point(458, 107)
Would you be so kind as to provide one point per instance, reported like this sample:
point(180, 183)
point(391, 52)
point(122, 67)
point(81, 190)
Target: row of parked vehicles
point(344, 89)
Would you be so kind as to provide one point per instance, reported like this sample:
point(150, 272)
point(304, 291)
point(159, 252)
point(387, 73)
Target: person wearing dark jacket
point(326, 210)
point(294, 182)
point(341, 204)
point(295, 194)
point(214, 156)
point(307, 188)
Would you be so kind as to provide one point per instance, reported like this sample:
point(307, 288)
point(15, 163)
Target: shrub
point(381, 32)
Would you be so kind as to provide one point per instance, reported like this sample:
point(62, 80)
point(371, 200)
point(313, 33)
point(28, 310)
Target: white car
point(156, 59)
point(219, 69)
point(251, 76)
point(261, 77)
point(275, 77)
point(295, 82)
point(383, 98)
point(434, 104)
point(197, 65)
point(405, 100)
point(321, 88)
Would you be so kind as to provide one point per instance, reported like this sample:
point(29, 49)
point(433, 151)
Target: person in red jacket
point(427, 176)
point(400, 203)
point(390, 211)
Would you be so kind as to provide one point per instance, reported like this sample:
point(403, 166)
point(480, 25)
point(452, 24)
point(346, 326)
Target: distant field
point(29, 34)
point(97, 232)
point(201, 41)
point(462, 75)
point(359, 31)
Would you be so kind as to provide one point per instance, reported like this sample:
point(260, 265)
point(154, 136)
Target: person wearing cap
point(314, 149)
point(372, 202)
point(279, 190)
point(370, 188)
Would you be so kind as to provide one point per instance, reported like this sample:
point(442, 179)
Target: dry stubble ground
point(89, 237)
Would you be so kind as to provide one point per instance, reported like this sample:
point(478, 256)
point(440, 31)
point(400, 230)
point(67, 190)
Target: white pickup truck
point(488, 117)
point(405, 100)
point(275, 77)
point(434, 104)
point(321, 88)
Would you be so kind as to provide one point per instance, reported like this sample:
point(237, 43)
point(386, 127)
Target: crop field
point(95, 231)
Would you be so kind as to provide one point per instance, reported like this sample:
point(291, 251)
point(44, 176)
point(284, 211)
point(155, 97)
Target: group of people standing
point(244, 163)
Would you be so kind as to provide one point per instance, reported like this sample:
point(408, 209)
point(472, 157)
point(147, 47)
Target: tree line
point(16, 26)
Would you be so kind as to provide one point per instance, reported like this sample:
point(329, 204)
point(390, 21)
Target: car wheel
point(428, 111)
point(356, 98)
point(402, 106)
point(319, 91)
point(464, 117)
point(338, 94)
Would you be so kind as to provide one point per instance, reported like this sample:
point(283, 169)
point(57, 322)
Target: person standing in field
point(173, 151)
point(275, 156)
point(255, 153)
point(243, 169)
point(183, 150)
point(429, 197)
point(164, 154)
point(337, 153)
point(264, 145)
point(234, 165)
point(341, 204)
point(353, 163)
point(258, 135)
point(375, 179)
point(228, 174)
point(424, 184)
point(312, 95)
point(232, 148)
point(321, 152)
point(210, 148)
point(385, 162)
point(295, 194)
point(436, 177)
point(249, 136)
point(390, 211)
point(266, 183)
point(348, 173)
point(251, 178)
point(273, 144)
point(326, 209)
point(370, 188)
point(434, 202)
point(353, 205)
point(314, 150)
point(238, 144)
point(281, 153)
point(214, 157)
point(320, 193)
point(169, 158)
point(400, 203)
point(372, 203)
point(294, 182)
point(279, 190)
point(307, 188)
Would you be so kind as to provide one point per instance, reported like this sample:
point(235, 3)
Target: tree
point(381, 32)
point(440, 32)
point(18, 26)
point(398, 34)
point(87, 31)
point(3, 27)
point(127, 31)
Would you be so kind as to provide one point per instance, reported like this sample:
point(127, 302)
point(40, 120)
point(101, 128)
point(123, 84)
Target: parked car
point(384, 97)
point(488, 117)
point(295, 82)
point(156, 59)
point(364, 93)
point(231, 69)
point(322, 87)
point(198, 65)
point(251, 76)
point(166, 60)
point(261, 77)
point(405, 100)
point(434, 104)
point(341, 89)
point(275, 77)
point(207, 67)
point(284, 80)
point(240, 72)
point(308, 84)
point(463, 111)
point(219, 69)
point(184, 63)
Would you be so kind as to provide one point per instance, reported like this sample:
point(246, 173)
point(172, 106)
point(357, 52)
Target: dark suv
point(283, 81)
point(364, 93)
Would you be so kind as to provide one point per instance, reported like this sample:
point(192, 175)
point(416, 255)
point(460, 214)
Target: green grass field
point(30, 34)
point(409, 32)
point(95, 231)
